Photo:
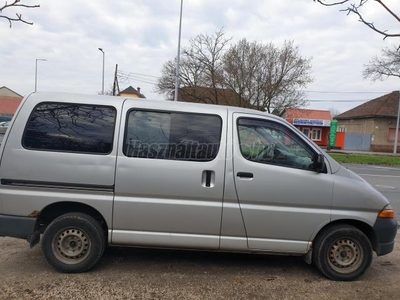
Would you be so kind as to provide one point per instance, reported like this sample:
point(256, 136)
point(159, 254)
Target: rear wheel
point(73, 243)
point(342, 252)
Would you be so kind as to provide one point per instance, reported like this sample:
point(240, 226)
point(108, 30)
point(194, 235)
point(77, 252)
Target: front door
point(283, 200)
point(169, 179)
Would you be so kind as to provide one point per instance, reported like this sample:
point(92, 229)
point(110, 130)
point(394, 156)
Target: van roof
point(117, 101)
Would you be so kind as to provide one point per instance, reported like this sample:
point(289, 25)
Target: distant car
point(4, 124)
point(4, 118)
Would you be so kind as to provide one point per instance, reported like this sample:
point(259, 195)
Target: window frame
point(170, 112)
point(68, 151)
point(392, 133)
point(308, 131)
point(293, 136)
point(319, 130)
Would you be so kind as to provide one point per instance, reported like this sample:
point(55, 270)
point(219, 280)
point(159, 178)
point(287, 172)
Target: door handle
point(244, 175)
point(208, 178)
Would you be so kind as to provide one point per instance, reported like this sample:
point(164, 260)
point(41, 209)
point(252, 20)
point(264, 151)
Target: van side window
point(70, 128)
point(268, 142)
point(172, 135)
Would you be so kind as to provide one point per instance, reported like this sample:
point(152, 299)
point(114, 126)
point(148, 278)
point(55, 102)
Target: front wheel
point(73, 243)
point(342, 252)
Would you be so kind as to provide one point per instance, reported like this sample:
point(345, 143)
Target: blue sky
point(140, 35)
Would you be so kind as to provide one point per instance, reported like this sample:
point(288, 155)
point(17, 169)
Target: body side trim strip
point(63, 185)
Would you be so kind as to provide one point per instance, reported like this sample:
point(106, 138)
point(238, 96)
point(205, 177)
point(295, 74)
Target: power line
point(130, 76)
point(146, 75)
point(136, 76)
point(343, 92)
point(345, 101)
point(149, 82)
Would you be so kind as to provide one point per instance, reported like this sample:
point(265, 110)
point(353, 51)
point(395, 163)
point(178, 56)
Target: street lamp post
point(102, 84)
point(41, 59)
point(179, 56)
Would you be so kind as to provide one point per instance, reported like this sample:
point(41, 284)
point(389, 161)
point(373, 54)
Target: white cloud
point(141, 35)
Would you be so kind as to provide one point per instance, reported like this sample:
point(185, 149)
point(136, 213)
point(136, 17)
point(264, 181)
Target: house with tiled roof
point(216, 96)
point(313, 123)
point(377, 118)
point(9, 102)
point(130, 92)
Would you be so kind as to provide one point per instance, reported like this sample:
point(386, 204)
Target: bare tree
point(354, 7)
point(18, 18)
point(287, 98)
point(200, 66)
point(108, 91)
point(267, 77)
point(247, 74)
point(387, 65)
point(191, 74)
point(378, 68)
point(242, 64)
point(334, 112)
point(206, 52)
point(166, 83)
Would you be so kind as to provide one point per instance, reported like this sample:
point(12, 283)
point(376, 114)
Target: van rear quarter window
point(70, 127)
point(172, 135)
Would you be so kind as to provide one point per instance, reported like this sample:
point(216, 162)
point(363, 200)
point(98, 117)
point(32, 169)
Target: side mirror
point(319, 163)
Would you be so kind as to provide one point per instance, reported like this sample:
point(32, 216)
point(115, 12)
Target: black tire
point(342, 252)
point(73, 243)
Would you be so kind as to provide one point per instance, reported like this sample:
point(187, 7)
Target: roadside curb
point(363, 153)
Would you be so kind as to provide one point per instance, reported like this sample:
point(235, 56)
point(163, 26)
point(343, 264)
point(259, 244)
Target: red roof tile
point(384, 106)
point(8, 105)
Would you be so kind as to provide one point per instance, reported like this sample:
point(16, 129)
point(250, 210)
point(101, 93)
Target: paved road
point(384, 179)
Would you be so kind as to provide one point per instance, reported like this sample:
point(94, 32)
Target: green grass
point(367, 159)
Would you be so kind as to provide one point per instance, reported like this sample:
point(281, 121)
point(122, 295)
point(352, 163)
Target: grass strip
point(366, 159)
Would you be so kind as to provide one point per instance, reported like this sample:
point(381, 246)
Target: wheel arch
point(54, 210)
point(362, 226)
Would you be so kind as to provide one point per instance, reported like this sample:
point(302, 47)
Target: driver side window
point(268, 142)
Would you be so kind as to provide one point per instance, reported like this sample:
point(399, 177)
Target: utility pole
point(115, 85)
point(179, 56)
point(102, 84)
point(37, 59)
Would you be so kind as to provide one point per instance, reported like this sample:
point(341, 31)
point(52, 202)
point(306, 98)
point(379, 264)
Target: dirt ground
point(130, 273)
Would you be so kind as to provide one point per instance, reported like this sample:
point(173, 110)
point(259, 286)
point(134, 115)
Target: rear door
point(170, 175)
point(283, 201)
point(61, 148)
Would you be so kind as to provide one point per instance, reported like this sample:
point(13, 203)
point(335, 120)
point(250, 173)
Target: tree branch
point(19, 18)
point(386, 65)
point(389, 10)
point(354, 8)
point(331, 4)
point(16, 3)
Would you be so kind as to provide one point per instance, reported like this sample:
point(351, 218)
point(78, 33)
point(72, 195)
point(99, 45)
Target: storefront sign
point(311, 122)
point(332, 133)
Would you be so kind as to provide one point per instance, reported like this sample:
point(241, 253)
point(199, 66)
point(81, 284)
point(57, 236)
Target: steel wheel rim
point(345, 255)
point(71, 246)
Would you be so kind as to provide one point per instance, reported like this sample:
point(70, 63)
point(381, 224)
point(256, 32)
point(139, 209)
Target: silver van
point(90, 171)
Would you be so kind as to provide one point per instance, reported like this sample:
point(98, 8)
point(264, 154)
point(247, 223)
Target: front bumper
point(17, 227)
point(385, 231)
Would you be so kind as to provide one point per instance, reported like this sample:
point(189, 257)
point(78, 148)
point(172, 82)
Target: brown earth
point(129, 273)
